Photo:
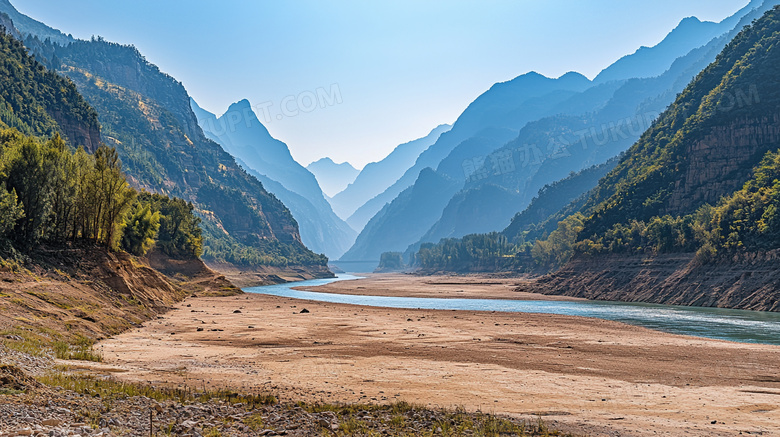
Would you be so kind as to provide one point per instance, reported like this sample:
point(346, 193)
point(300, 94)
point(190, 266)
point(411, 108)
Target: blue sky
point(386, 72)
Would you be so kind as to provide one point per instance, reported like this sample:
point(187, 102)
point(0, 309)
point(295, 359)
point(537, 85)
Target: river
point(725, 324)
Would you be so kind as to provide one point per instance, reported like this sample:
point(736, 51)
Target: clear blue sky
point(401, 67)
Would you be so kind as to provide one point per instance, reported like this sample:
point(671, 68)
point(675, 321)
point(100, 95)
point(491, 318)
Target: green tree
point(10, 211)
point(140, 229)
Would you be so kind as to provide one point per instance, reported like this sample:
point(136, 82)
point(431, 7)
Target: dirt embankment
point(750, 281)
point(95, 293)
point(269, 275)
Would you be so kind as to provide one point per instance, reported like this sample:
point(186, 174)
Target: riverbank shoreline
point(588, 376)
point(436, 287)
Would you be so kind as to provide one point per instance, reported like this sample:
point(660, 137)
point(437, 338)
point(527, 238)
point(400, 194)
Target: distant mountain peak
point(241, 104)
point(333, 177)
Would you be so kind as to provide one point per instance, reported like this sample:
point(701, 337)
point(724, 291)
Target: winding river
point(725, 324)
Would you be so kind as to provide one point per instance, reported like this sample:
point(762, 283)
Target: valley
point(389, 219)
point(589, 376)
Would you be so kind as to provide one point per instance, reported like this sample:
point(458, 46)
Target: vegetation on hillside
point(34, 99)
point(52, 194)
point(740, 84)
point(145, 115)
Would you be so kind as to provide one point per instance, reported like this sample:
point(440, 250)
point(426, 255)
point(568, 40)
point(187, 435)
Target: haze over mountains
point(472, 177)
point(241, 134)
point(581, 124)
point(376, 177)
point(332, 177)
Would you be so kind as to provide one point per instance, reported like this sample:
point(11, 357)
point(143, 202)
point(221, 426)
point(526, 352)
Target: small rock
point(304, 311)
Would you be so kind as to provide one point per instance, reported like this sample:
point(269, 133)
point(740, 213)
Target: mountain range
point(369, 187)
point(145, 114)
point(242, 135)
point(581, 126)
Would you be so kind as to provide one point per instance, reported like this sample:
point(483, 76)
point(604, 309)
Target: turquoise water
point(725, 324)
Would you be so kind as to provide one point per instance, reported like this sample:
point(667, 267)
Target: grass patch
point(10, 392)
point(26, 341)
point(82, 349)
point(399, 415)
point(255, 422)
point(112, 388)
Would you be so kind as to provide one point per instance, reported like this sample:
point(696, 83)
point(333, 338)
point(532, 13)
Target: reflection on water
point(725, 324)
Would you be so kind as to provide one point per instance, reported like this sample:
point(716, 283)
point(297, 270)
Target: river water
point(725, 324)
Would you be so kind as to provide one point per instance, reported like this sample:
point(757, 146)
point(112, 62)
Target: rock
point(304, 311)
point(51, 422)
point(237, 312)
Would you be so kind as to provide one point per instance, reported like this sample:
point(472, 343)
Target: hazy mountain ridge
point(376, 177)
point(399, 221)
point(333, 178)
point(268, 159)
point(550, 148)
point(522, 96)
point(492, 117)
point(29, 26)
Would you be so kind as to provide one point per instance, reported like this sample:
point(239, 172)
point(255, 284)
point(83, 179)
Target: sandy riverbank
point(444, 287)
point(591, 376)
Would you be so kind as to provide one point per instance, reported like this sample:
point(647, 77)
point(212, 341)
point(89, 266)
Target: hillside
point(706, 144)
point(145, 114)
point(39, 102)
point(700, 183)
point(399, 221)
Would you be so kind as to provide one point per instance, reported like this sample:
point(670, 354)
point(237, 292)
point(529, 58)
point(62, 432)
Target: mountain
point(688, 35)
point(554, 202)
point(689, 216)
point(706, 144)
point(508, 105)
point(39, 102)
point(489, 122)
point(398, 222)
point(242, 135)
point(29, 27)
point(611, 118)
point(145, 115)
point(376, 177)
point(332, 177)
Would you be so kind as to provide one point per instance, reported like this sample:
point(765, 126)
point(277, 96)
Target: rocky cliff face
point(78, 133)
point(749, 281)
point(722, 161)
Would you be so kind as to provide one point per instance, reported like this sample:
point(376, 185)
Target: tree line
point(51, 194)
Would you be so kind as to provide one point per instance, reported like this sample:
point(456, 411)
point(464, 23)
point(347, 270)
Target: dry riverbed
point(584, 375)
